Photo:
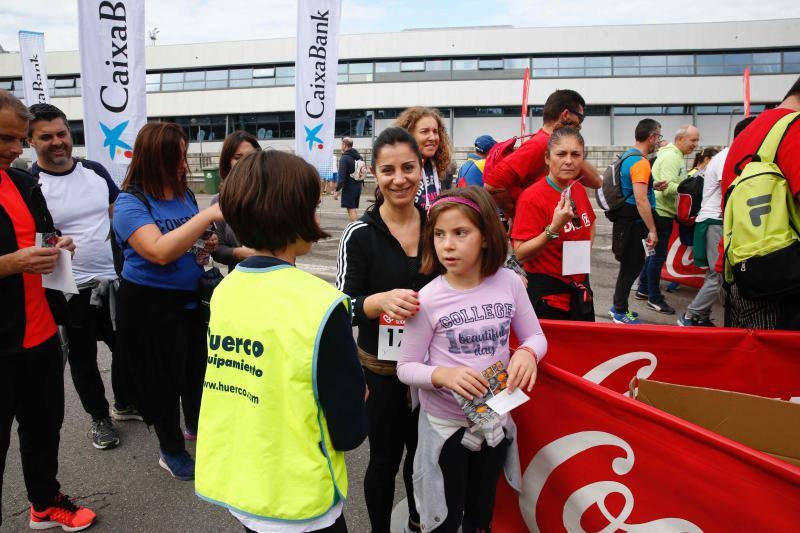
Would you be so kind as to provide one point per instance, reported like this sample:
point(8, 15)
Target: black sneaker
point(103, 434)
point(661, 306)
point(640, 295)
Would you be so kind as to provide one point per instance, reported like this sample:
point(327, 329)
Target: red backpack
point(500, 151)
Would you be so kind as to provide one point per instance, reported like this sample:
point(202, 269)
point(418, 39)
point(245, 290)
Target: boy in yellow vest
point(284, 392)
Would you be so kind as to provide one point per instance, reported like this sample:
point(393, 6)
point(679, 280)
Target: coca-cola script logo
point(562, 450)
point(680, 262)
point(599, 373)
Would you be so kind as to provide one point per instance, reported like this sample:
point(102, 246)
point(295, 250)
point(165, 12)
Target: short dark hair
point(232, 142)
point(794, 90)
point(45, 112)
point(742, 124)
point(9, 100)
point(561, 133)
point(645, 128)
point(559, 101)
point(158, 160)
point(391, 137)
point(270, 200)
point(487, 221)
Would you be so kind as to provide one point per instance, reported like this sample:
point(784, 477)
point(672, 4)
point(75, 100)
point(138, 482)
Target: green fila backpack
point(761, 221)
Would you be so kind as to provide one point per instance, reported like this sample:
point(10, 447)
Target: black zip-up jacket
point(347, 165)
point(371, 260)
point(12, 310)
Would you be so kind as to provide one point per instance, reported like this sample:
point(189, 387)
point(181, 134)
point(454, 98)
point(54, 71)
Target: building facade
point(675, 73)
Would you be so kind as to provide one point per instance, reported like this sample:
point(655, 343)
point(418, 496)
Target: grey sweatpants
point(709, 292)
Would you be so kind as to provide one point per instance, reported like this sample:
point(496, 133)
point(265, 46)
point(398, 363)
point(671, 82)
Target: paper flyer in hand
point(478, 410)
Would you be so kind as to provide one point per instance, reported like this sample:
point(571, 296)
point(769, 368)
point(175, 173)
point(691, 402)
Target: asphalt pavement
point(131, 493)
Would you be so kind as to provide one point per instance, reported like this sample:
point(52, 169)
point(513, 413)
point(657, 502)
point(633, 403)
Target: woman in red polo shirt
point(553, 233)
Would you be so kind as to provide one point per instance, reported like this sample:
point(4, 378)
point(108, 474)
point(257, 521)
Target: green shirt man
point(670, 169)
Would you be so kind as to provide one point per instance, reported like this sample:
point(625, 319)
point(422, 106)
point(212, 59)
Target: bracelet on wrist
point(529, 350)
point(550, 234)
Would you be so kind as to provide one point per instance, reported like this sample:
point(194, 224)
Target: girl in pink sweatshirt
point(463, 328)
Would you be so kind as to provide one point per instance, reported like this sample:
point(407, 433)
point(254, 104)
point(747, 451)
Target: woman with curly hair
point(427, 127)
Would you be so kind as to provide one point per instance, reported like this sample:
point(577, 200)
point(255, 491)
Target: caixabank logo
point(116, 146)
point(312, 136)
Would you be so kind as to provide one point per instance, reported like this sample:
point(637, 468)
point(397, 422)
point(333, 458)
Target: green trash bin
point(211, 179)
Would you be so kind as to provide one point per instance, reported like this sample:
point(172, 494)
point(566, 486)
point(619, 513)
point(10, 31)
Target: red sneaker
point(63, 513)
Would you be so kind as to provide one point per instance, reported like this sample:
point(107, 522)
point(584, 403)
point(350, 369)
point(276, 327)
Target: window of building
point(353, 123)
point(484, 112)
point(384, 67)
point(710, 64)
point(194, 80)
point(545, 67)
point(516, 63)
point(680, 65)
point(7, 85)
point(216, 79)
point(360, 68)
point(490, 64)
point(412, 66)
point(791, 61)
point(766, 63)
point(465, 64)
point(598, 66)
point(76, 130)
point(436, 65)
point(153, 82)
point(284, 75)
point(626, 65)
point(172, 81)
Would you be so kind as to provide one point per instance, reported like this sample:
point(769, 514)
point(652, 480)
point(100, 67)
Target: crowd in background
point(270, 372)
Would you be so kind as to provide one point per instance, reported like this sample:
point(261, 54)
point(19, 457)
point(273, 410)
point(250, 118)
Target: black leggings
point(470, 481)
point(392, 427)
point(162, 346)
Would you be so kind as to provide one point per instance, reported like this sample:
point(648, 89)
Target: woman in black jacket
point(378, 266)
point(230, 251)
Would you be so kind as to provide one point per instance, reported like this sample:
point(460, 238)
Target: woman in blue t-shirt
point(165, 240)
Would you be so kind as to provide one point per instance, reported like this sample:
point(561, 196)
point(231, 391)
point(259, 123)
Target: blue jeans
point(650, 278)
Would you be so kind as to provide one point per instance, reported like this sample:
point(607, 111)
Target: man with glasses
point(524, 167)
point(669, 171)
point(635, 220)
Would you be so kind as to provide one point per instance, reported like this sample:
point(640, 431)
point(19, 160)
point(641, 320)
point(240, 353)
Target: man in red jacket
point(777, 313)
point(31, 364)
point(525, 166)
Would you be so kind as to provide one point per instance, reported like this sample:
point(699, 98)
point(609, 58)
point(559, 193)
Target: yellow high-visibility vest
point(263, 446)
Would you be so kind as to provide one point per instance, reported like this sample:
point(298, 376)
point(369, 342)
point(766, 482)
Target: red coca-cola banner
point(765, 363)
point(595, 460)
point(679, 266)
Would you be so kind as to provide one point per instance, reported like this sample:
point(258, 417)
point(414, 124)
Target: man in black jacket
point(348, 185)
point(31, 364)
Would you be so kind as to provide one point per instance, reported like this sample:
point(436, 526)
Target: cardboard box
point(768, 425)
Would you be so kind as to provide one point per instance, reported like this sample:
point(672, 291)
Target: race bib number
point(390, 334)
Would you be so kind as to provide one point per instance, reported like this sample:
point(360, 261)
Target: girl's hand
point(399, 304)
point(211, 243)
point(522, 371)
point(461, 380)
point(561, 215)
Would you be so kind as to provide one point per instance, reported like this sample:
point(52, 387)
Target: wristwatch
point(551, 236)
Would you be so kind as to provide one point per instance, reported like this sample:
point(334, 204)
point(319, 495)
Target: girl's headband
point(455, 200)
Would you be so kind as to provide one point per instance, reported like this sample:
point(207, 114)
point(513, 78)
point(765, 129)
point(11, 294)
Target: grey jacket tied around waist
point(428, 478)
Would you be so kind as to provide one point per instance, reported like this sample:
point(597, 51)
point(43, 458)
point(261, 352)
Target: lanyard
point(551, 183)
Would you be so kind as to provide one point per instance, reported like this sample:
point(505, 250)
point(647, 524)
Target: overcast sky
point(188, 21)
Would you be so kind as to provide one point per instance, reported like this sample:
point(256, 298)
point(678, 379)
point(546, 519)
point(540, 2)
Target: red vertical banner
point(746, 81)
point(526, 84)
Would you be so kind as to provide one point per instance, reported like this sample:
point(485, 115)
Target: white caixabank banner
point(113, 78)
point(315, 81)
point(34, 67)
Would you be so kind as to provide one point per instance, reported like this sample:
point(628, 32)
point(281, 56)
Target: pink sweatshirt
point(465, 328)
